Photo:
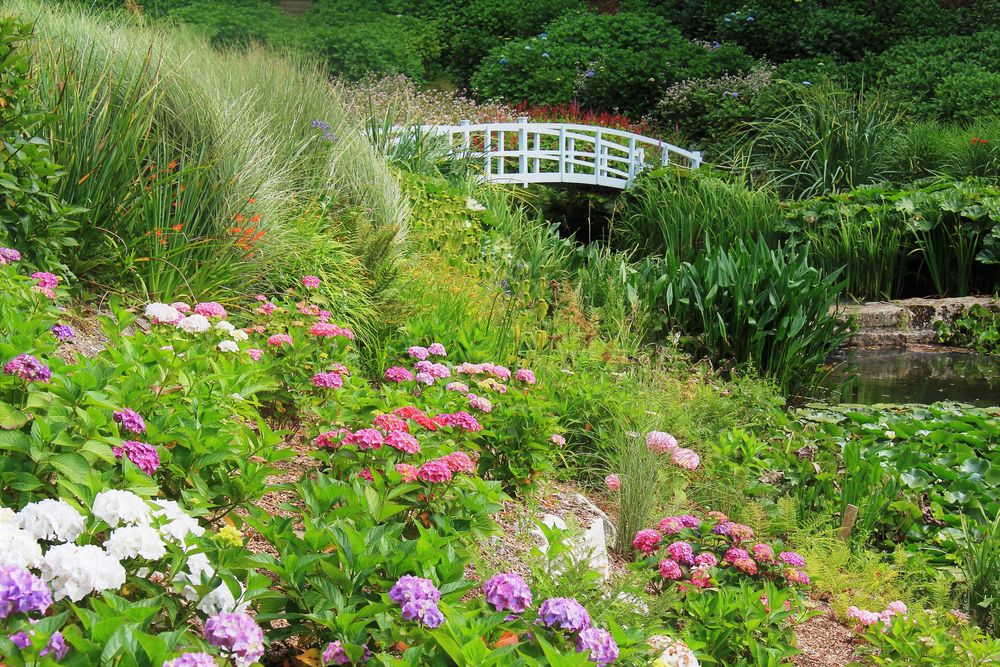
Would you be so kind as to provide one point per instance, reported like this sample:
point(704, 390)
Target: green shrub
point(953, 151)
point(235, 23)
point(609, 61)
point(976, 327)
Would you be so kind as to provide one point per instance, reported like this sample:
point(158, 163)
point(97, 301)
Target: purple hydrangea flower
point(21, 639)
point(56, 646)
point(564, 614)
point(9, 256)
point(144, 456)
point(334, 654)
point(418, 597)
point(237, 634)
point(508, 591)
point(600, 643)
point(63, 332)
point(792, 558)
point(192, 660)
point(425, 611)
point(320, 125)
point(22, 592)
point(130, 420)
point(689, 520)
point(28, 368)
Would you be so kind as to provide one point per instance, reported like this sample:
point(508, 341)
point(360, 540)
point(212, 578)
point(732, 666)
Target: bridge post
point(664, 156)
point(487, 146)
point(597, 156)
point(466, 138)
point(522, 148)
point(631, 159)
point(562, 152)
point(696, 160)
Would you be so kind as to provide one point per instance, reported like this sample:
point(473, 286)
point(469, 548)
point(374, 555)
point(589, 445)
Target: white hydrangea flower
point(20, 549)
point(133, 541)
point(473, 205)
point(194, 324)
point(73, 571)
point(224, 326)
point(229, 346)
point(115, 507)
point(175, 523)
point(161, 312)
point(239, 335)
point(7, 516)
point(216, 601)
point(52, 520)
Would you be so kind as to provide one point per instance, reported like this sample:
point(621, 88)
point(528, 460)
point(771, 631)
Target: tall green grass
point(165, 139)
point(948, 150)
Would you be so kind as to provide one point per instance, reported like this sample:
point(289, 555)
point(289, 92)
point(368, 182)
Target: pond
point(904, 376)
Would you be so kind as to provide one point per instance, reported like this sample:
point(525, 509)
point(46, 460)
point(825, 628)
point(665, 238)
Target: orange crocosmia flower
point(163, 242)
point(158, 232)
point(251, 201)
point(177, 228)
point(235, 230)
point(255, 219)
point(238, 217)
point(172, 165)
point(259, 235)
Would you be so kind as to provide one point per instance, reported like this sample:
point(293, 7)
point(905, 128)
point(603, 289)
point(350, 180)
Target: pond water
point(903, 376)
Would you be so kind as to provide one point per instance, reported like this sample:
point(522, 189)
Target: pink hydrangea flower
point(365, 439)
point(646, 541)
point(792, 558)
point(735, 554)
point(181, 307)
point(689, 520)
point(418, 352)
point(480, 403)
point(746, 565)
point(28, 368)
point(331, 439)
point(407, 471)
point(706, 559)
point(897, 608)
point(682, 552)
point(763, 553)
point(366, 475)
point(685, 458)
point(469, 369)
point(267, 308)
point(439, 371)
point(459, 462)
point(310, 281)
point(460, 387)
point(435, 471)
point(437, 349)
point(499, 372)
point(279, 340)
point(255, 354)
point(670, 525)
point(796, 576)
point(425, 378)
point(659, 442)
point(862, 616)
point(613, 482)
point(45, 283)
point(211, 309)
point(558, 439)
point(525, 375)
point(462, 420)
point(398, 374)
point(145, 457)
point(670, 570)
point(701, 576)
point(9, 256)
point(328, 380)
point(402, 441)
point(390, 423)
point(323, 330)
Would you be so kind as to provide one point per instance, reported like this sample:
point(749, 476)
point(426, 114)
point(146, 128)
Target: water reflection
point(903, 376)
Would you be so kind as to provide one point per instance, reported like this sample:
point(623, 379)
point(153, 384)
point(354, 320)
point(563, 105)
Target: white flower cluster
point(161, 313)
point(234, 333)
point(194, 324)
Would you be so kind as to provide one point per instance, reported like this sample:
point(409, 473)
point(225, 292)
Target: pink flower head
point(390, 423)
point(418, 352)
point(211, 309)
point(746, 565)
point(659, 442)
point(796, 576)
point(267, 308)
point(328, 380)
point(670, 525)
point(499, 372)
point(365, 439)
point(706, 559)
point(459, 462)
point(689, 521)
point(897, 608)
point(439, 371)
point(763, 553)
point(524, 375)
point(507, 592)
point(613, 482)
point(480, 403)
point(236, 634)
point(469, 369)
point(181, 307)
point(402, 441)
point(331, 439)
point(558, 439)
point(255, 354)
point(130, 420)
point(425, 378)
point(437, 349)
point(739, 532)
point(324, 315)
point(9, 256)
point(324, 330)
point(735, 554)
point(333, 654)
point(462, 420)
point(670, 570)
point(398, 374)
point(145, 457)
point(310, 281)
point(460, 387)
point(279, 340)
point(792, 558)
point(28, 368)
point(862, 616)
point(407, 471)
point(46, 281)
point(718, 516)
point(681, 552)
point(701, 576)
point(685, 458)
point(366, 475)
point(646, 541)
point(435, 471)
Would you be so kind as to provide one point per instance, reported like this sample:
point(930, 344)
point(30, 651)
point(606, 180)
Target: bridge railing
point(526, 152)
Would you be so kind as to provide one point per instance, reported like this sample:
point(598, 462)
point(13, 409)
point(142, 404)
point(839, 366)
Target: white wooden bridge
point(526, 152)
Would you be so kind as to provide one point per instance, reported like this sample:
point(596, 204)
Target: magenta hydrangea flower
point(418, 352)
point(659, 442)
point(365, 439)
point(459, 462)
point(563, 614)
point(279, 340)
point(311, 282)
point(237, 634)
point(21, 592)
point(130, 420)
point(669, 569)
point(747, 565)
point(324, 330)
point(328, 380)
point(792, 558)
point(763, 552)
point(334, 654)
point(438, 371)
point(689, 520)
point(389, 423)
point(56, 646)
point(211, 309)
point(398, 374)
point(192, 660)
point(682, 552)
point(402, 441)
point(508, 592)
point(613, 482)
point(735, 554)
point(796, 576)
point(460, 387)
point(437, 349)
point(670, 525)
point(366, 475)
point(706, 558)
point(524, 375)
point(601, 645)
point(462, 420)
point(28, 368)
point(45, 282)
point(480, 403)
point(407, 471)
point(862, 616)
point(435, 471)
point(685, 458)
point(9, 256)
point(646, 541)
point(63, 332)
point(145, 457)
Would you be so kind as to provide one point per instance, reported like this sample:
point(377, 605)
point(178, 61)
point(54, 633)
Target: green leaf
point(10, 417)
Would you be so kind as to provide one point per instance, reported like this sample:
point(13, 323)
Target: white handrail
point(559, 152)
